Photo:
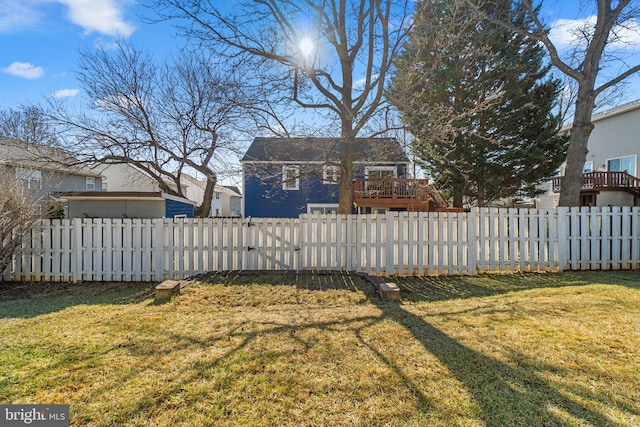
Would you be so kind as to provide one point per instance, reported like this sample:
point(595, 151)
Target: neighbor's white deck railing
point(404, 243)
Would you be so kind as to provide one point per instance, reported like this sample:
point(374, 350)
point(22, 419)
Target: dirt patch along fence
point(396, 243)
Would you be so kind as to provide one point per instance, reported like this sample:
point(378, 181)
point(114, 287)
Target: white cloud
point(100, 16)
point(572, 32)
point(94, 16)
point(65, 93)
point(360, 82)
point(17, 14)
point(24, 70)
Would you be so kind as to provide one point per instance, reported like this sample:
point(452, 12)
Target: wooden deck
point(415, 195)
point(604, 181)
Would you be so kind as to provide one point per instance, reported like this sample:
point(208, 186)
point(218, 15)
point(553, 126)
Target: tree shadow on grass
point(303, 280)
point(442, 288)
point(506, 395)
point(27, 300)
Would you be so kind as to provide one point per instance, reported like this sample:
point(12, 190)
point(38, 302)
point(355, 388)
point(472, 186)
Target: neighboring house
point(126, 204)
point(45, 169)
point(226, 200)
point(127, 184)
point(611, 167)
point(235, 200)
point(124, 177)
point(292, 176)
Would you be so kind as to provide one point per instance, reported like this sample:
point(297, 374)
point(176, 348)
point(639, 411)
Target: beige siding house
point(124, 177)
point(226, 201)
point(46, 170)
point(611, 167)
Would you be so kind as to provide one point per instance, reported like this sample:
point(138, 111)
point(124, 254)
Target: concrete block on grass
point(389, 291)
point(168, 289)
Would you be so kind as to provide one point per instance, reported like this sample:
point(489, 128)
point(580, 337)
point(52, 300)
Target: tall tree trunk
point(577, 150)
point(204, 209)
point(481, 195)
point(457, 197)
point(346, 186)
point(345, 192)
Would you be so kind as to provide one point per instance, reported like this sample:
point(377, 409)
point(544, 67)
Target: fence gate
point(271, 244)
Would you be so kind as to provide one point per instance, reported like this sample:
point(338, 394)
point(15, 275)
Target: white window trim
point(635, 158)
point(368, 169)
point(90, 183)
point(312, 206)
point(330, 174)
point(584, 168)
point(31, 177)
point(288, 184)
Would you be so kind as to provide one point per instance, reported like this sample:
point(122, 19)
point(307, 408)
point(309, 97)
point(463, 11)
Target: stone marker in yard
point(167, 289)
point(389, 291)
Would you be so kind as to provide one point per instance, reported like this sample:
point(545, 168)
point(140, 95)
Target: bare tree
point(329, 57)
point(164, 120)
point(19, 212)
point(27, 124)
point(592, 54)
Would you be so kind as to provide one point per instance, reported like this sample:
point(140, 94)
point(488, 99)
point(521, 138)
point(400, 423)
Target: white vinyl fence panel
point(396, 243)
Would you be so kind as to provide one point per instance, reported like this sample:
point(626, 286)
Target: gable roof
point(323, 149)
point(235, 189)
point(41, 157)
point(231, 191)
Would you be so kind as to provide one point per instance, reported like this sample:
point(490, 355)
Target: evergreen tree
point(478, 100)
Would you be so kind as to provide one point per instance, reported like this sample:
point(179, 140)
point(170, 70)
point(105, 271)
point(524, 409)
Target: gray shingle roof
point(41, 157)
point(323, 149)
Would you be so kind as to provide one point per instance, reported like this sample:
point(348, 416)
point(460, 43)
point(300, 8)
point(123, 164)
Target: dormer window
point(31, 178)
point(290, 177)
point(330, 174)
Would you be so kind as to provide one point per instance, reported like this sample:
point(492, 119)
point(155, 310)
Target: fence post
point(562, 227)
point(635, 237)
point(472, 240)
point(158, 248)
point(76, 249)
point(390, 243)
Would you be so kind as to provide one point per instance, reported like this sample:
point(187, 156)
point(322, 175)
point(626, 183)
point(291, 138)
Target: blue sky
point(39, 41)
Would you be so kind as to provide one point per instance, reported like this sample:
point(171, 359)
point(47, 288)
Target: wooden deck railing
point(598, 181)
point(391, 188)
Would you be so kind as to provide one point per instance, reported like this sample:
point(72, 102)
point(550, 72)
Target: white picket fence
point(398, 243)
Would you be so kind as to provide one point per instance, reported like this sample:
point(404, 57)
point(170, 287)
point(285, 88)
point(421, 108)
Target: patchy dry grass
point(494, 350)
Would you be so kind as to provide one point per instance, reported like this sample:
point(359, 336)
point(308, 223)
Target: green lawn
point(287, 350)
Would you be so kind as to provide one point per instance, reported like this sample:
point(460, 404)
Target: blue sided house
point(286, 177)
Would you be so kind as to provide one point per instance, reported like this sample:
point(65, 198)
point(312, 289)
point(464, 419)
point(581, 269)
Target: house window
point(330, 174)
point(322, 208)
point(588, 167)
point(217, 196)
point(380, 172)
point(32, 179)
point(91, 183)
point(290, 177)
point(622, 164)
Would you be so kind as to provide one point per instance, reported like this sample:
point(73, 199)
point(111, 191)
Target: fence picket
point(395, 243)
